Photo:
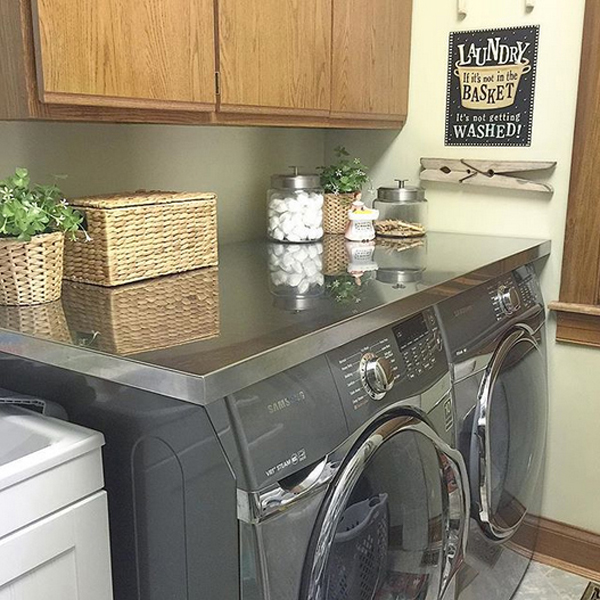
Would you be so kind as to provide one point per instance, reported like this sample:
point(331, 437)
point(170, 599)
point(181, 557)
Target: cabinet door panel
point(371, 51)
point(275, 56)
point(139, 53)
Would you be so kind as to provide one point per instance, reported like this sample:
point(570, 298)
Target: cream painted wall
point(236, 163)
point(573, 474)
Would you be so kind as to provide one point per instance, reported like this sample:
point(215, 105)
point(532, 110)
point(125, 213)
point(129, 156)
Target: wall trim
point(569, 548)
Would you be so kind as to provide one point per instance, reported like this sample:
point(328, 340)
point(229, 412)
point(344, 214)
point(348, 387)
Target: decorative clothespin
point(486, 173)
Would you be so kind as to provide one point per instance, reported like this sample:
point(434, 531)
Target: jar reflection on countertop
point(401, 261)
point(402, 211)
point(296, 274)
point(295, 208)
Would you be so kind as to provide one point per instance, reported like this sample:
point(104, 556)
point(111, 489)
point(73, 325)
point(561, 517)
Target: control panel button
point(439, 342)
point(377, 375)
point(509, 299)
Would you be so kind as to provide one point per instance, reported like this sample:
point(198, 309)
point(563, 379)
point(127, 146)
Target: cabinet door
point(65, 556)
point(371, 51)
point(126, 53)
point(275, 56)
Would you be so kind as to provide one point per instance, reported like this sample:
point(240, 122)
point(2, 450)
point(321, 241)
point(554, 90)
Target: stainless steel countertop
point(253, 334)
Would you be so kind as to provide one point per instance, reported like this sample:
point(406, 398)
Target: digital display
point(409, 331)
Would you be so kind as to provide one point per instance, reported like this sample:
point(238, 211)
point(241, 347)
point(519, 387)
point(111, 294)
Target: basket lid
point(139, 198)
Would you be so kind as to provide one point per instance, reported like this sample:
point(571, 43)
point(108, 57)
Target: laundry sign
point(491, 85)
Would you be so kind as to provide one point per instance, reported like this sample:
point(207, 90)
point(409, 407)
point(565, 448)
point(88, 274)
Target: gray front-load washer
point(348, 488)
point(494, 335)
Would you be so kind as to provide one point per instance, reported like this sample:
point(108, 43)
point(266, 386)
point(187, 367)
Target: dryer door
point(393, 523)
point(509, 434)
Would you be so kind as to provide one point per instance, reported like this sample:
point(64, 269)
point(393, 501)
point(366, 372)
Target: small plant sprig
point(26, 211)
point(345, 175)
point(346, 288)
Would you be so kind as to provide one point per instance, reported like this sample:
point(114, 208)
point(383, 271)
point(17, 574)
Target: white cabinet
point(62, 557)
point(54, 542)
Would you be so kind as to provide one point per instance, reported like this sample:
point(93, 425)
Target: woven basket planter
point(335, 211)
point(31, 272)
point(144, 316)
point(335, 256)
point(45, 320)
point(142, 235)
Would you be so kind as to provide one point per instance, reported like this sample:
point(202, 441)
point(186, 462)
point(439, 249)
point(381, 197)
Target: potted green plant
point(33, 224)
point(343, 182)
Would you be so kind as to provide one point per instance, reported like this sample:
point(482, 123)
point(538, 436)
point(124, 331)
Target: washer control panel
point(365, 371)
point(420, 341)
point(389, 365)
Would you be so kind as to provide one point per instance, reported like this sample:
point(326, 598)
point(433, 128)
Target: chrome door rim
point(484, 450)
point(347, 478)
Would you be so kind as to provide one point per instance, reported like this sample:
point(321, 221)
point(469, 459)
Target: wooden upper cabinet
point(127, 53)
point(275, 56)
point(371, 52)
point(303, 63)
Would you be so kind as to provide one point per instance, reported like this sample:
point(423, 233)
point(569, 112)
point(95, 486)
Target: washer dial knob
point(509, 299)
point(377, 375)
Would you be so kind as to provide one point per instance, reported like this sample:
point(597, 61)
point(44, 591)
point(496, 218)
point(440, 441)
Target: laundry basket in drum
point(358, 556)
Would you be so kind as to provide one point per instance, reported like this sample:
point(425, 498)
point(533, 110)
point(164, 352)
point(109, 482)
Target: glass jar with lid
point(295, 208)
point(402, 211)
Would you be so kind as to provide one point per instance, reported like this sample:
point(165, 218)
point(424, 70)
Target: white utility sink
point(17, 443)
point(31, 443)
point(45, 464)
point(53, 510)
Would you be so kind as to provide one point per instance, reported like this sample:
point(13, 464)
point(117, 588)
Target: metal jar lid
point(401, 193)
point(296, 181)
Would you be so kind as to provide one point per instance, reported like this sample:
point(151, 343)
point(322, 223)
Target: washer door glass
point(392, 525)
point(509, 435)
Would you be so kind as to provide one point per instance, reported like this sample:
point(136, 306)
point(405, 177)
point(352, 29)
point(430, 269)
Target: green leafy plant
point(26, 211)
point(345, 175)
point(346, 288)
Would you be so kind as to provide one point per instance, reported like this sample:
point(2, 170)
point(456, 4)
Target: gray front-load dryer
point(494, 335)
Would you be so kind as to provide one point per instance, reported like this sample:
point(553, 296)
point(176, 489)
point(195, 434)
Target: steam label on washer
point(294, 459)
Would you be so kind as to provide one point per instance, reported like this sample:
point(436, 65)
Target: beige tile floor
point(546, 583)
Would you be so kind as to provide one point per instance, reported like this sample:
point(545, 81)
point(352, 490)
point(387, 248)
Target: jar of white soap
point(295, 208)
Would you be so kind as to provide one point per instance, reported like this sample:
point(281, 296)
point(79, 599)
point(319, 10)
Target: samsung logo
point(463, 311)
point(287, 402)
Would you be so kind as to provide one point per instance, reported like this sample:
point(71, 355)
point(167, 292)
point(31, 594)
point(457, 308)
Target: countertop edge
point(202, 390)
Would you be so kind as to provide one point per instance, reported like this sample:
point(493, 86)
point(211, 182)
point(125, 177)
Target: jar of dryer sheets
point(295, 208)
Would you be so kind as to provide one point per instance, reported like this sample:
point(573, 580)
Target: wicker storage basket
point(335, 212)
point(142, 235)
point(45, 320)
point(31, 272)
point(145, 316)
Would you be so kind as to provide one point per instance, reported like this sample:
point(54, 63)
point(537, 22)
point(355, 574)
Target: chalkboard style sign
point(491, 84)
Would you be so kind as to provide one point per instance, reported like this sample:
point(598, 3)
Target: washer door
point(509, 434)
point(393, 523)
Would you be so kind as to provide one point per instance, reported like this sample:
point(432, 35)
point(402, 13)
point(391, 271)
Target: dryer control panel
point(505, 297)
point(389, 365)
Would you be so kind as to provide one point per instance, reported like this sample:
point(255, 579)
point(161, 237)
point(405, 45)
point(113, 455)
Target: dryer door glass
point(392, 524)
point(509, 435)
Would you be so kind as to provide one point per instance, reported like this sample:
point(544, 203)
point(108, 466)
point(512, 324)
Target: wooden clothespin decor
point(486, 173)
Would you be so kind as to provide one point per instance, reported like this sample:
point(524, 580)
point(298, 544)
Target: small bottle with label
point(360, 226)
